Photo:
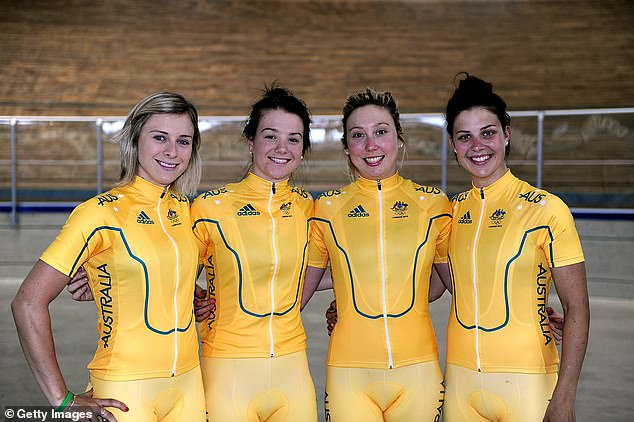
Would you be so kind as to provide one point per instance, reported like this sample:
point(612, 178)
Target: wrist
point(65, 402)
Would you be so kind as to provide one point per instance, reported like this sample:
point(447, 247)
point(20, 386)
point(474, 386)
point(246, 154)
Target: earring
point(401, 144)
point(345, 151)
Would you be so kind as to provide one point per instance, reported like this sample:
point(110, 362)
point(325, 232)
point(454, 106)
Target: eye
point(270, 137)
point(488, 133)
point(160, 138)
point(357, 135)
point(184, 141)
point(294, 140)
point(381, 132)
point(464, 137)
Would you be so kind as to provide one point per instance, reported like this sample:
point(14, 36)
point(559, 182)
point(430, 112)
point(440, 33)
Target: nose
point(170, 149)
point(477, 143)
point(281, 146)
point(370, 144)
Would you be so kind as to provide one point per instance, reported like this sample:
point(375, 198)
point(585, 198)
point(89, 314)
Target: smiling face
point(277, 145)
point(165, 147)
point(479, 142)
point(372, 142)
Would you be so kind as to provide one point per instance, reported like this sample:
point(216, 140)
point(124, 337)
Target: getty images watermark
point(42, 414)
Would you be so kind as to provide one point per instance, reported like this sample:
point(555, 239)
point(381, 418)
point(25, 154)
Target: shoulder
point(431, 194)
point(532, 195)
point(301, 193)
point(459, 197)
point(210, 194)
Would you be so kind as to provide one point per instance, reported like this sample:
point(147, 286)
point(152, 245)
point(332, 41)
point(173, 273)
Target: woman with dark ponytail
point(508, 241)
point(253, 239)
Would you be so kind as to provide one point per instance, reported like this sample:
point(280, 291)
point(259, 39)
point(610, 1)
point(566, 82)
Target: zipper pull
point(164, 190)
point(378, 182)
point(482, 193)
point(273, 188)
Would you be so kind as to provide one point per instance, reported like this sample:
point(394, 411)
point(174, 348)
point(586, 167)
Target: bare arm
point(572, 289)
point(439, 282)
point(312, 282)
point(30, 309)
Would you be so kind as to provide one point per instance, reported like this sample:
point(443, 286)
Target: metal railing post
point(540, 147)
point(445, 141)
point(99, 157)
point(14, 182)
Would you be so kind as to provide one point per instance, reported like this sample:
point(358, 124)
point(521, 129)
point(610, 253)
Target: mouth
point(278, 160)
point(480, 159)
point(374, 161)
point(166, 166)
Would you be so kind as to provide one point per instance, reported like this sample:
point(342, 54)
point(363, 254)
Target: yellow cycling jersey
point(505, 238)
point(382, 238)
point(253, 239)
point(136, 245)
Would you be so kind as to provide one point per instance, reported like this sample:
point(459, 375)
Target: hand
point(202, 304)
point(331, 316)
point(78, 286)
point(85, 401)
point(556, 321)
point(559, 411)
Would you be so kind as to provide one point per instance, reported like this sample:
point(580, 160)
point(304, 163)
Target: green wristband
point(67, 399)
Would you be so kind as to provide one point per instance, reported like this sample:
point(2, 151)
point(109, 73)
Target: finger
point(79, 293)
point(200, 292)
point(113, 403)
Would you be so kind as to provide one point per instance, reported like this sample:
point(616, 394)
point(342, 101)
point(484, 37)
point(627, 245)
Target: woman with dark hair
point(253, 238)
point(382, 235)
point(508, 241)
point(136, 244)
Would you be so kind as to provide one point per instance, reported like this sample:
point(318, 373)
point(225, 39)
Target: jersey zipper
point(158, 211)
point(275, 269)
point(474, 273)
point(383, 281)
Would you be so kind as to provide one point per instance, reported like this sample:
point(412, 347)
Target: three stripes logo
point(465, 219)
point(248, 210)
point(143, 218)
point(358, 212)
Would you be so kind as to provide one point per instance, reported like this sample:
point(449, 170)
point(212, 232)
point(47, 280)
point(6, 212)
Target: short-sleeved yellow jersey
point(253, 238)
point(382, 238)
point(136, 245)
point(505, 238)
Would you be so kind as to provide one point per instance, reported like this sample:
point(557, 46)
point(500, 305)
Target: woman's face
point(277, 146)
point(165, 147)
point(479, 142)
point(372, 142)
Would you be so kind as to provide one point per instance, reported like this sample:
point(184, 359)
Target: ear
point(507, 135)
point(250, 145)
point(452, 145)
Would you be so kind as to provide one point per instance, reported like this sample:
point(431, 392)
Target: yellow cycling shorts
point(174, 399)
point(405, 394)
point(277, 389)
point(473, 396)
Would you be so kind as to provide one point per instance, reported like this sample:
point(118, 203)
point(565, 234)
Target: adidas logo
point(465, 219)
point(358, 211)
point(143, 218)
point(248, 210)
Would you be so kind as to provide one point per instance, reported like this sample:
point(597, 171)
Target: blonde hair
point(128, 138)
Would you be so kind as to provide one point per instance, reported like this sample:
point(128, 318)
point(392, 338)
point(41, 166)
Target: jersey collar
point(260, 185)
point(386, 184)
point(146, 188)
point(496, 188)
